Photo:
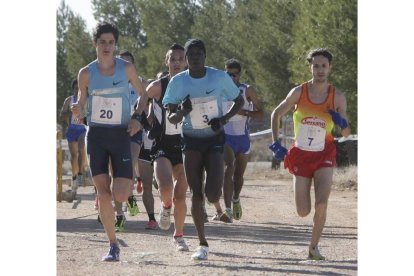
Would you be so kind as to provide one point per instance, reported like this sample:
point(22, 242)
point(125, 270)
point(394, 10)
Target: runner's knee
point(213, 196)
point(303, 212)
point(104, 196)
point(179, 199)
point(121, 196)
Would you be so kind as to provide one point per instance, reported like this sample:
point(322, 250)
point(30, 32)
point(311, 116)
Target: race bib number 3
point(311, 137)
point(202, 113)
point(106, 110)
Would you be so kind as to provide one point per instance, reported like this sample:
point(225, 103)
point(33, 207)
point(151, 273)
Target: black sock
point(73, 177)
point(203, 244)
point(79, 173)
point(151, 216)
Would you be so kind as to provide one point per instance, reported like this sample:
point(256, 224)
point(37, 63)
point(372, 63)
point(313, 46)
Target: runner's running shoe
point(164, 220)
point(132, 206)
point(315, 255)
point(201, 254)
point(227, 216)
point(113, 254)
point(180, 244)
point(237, 210)
point(152, 225)
point(217, 216)
point(120, 222)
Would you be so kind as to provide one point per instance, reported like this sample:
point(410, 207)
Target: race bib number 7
point(311, 135)
point(106, 110)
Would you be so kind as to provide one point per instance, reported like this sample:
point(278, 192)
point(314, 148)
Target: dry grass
point(345, 178)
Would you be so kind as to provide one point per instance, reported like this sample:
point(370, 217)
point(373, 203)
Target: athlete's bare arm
point(65, 110)
point(173, 115)
point(83, 79)
point(154, 90)
point(238, 103)
point(132, 75)
point(150, 116)
point(340, 106)
point(291, 99)
point(251, 95)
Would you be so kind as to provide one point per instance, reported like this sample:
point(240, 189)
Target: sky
point(83, 8)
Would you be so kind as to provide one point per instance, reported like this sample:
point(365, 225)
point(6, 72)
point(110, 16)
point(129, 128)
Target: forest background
point(271, 38)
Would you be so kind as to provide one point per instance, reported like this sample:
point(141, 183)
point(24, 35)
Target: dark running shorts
point(104, 143)
point(214, 143)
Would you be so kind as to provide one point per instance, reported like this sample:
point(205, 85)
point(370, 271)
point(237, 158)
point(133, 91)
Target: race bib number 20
point(106, 110)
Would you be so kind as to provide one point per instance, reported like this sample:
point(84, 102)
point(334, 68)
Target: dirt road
point(270, 239)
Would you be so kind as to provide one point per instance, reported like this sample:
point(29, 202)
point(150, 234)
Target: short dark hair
point(103, 28)
point(128, 54)
point(319, 52)
point(176, 46)
point(74, 82)
point(194, 42)
point(233, 64)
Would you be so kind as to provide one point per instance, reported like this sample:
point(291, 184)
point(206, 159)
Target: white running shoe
point(201, 254)
point(227, 216)
point(315, 255)
point(164, 220)
point(180, 244)
point(217, 216)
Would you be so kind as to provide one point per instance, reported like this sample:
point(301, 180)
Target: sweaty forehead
point(320, 60)
point(176, 53)
point(195, 49)
point(232, 70)
point(107, 37)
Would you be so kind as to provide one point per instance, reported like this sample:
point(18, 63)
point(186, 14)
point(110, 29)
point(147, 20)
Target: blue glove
point(337, 119)
point(279, 151)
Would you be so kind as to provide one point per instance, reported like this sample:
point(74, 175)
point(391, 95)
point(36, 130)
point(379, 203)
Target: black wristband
point(136, 117)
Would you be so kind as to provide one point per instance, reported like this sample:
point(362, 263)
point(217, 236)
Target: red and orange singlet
point(312, 123)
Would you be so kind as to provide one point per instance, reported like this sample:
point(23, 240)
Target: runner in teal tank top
point(104, 98)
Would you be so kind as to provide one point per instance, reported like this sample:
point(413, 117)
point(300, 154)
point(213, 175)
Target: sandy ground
point(270, 239)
